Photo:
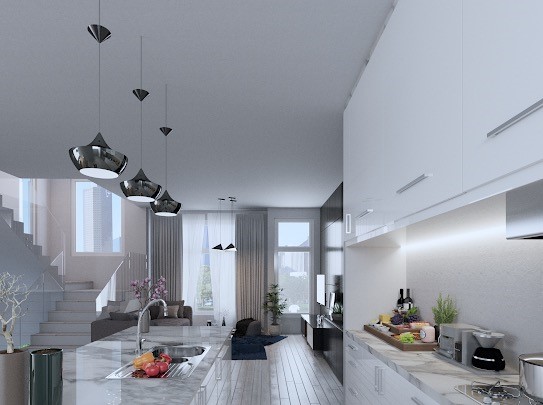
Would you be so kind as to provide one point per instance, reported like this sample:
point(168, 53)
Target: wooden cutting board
point(397, 329)
point(387, 337)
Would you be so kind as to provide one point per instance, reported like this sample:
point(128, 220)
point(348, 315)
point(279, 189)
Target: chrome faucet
point(139, 339)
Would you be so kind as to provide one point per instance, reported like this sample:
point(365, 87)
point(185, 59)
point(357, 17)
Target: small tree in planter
point(276, 305)
point(12, 295)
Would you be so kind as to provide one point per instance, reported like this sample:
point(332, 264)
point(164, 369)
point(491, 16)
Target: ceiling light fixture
point(219, 246)
point(97, 159)
point(166, 206)
point(231, 247)
point(140, 188)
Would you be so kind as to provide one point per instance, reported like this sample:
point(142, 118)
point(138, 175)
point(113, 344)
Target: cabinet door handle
point(379, 380)
point(512, 121)
point(376, 379)
point(413, 182)
point(352, 363)
point(348, 227)
point(352, 347)
point(354, 393)
point(417, 401)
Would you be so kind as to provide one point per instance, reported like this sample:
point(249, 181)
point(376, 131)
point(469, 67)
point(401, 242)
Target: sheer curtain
point(165, 251)
point(193, 235)
point(251, 265)
point(223, 272)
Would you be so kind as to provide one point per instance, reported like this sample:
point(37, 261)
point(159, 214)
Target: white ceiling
point(256, 91)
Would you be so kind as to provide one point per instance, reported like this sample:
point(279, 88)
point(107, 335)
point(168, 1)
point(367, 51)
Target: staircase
point(68, 326)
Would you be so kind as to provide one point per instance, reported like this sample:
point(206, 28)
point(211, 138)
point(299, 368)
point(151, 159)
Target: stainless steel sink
point(184, 360)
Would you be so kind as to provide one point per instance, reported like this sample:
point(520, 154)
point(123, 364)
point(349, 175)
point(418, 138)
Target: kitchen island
point(85, 370)
point(428, 372)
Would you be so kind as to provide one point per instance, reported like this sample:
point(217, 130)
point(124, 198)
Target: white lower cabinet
point(369, 381)
point(216, 386)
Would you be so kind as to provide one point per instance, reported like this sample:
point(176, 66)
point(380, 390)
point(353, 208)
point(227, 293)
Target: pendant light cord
point(99, 76)
point(141, 102)
point(166, 144)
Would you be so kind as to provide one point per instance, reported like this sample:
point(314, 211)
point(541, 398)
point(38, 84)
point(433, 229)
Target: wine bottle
point(408, 302)
point(399, 303)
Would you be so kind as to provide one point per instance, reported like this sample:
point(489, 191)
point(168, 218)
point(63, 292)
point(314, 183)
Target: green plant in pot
point(444, 312)
point(274, 304)
point(14, 363)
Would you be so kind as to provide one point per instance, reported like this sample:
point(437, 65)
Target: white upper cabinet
point(404, 119)
point(502, 76)
point(421, 57)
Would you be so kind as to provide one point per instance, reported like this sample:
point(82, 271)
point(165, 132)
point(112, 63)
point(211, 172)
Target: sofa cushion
point(156, 311)
point(122, 316)
point(254, 329)
point(173, 311)
point(180, 310)
point(171, 322)
point(133, 305)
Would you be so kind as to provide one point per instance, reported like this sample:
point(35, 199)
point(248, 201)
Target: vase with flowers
point(144, 291)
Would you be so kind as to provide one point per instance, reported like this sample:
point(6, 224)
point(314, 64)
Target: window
point(97, 219)
point(26, 198)
point(208, 274)
point(293, 254)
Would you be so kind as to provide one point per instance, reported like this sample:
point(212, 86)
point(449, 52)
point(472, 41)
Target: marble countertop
point(434, 376)
point(85, 369)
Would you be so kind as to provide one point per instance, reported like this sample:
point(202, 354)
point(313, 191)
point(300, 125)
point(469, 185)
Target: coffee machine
point(486, 356)
point(457, 342)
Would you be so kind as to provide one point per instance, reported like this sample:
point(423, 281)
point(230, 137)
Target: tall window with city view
point(97, 219)
point(293, 252)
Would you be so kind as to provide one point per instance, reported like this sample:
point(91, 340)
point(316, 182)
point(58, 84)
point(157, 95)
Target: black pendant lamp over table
point(166, 206)
point(219, 246)
point(140, 188)
point(97, 159)
point(231, 247)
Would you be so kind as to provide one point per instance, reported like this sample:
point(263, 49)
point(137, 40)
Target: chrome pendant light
point(166, 206)
point(231, 247)
point(140, 188)
point(219, 246)
point(97, 159)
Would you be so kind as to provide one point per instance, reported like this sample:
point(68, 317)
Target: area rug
point(252, 347)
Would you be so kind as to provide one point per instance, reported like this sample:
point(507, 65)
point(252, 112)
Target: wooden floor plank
point(293, 374)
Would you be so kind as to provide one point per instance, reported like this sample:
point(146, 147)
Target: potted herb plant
point(274, 304)
point(444, 312)
point(14, 363)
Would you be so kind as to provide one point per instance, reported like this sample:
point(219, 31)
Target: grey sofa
point(105, 327)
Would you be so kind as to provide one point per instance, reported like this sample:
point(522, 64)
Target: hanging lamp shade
point(98, 160)
point(166, 206)
point(140, 188)
point(231, 247)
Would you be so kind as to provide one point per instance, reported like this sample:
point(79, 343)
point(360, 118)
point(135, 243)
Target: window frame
point(73, 203)
point(301, 249)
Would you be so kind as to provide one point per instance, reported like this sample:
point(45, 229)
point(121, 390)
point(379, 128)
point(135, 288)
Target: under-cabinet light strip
point(533, 108)
point(412, 183)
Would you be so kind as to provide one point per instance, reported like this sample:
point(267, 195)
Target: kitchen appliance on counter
point(486, 356)
point(531, 375)
point(456, 342)
point(498, 393)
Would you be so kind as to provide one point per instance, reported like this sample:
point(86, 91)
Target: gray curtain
point(165, 249)
point(250, 265)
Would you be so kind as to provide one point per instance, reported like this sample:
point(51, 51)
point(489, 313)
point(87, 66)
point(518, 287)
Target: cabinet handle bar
point(512, 121)
point(348, 223)
point(364, 213)
point(353, 392)
point(412, 183)
point(417, 401)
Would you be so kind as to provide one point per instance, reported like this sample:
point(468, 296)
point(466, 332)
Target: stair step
point(81, 295)
point(53, 339)
point(18, 227)
point(76, 306)
point(72, 316)
point(78, 285)
point(65, 327)
point(7, 214)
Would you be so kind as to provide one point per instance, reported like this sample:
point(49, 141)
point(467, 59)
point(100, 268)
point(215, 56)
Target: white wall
point(9, 189)
point(96, 268)
point(497, 284)
point(290, 323)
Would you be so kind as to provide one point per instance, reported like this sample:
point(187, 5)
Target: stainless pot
point(531, 375)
